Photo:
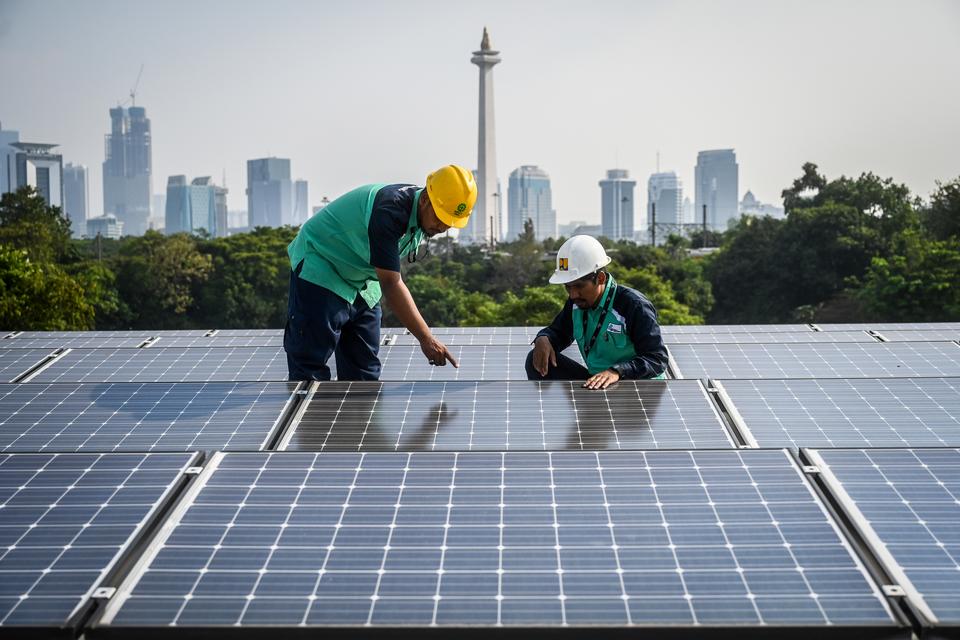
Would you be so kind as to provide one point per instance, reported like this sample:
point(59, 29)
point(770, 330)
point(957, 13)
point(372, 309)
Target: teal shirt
point(334, 245)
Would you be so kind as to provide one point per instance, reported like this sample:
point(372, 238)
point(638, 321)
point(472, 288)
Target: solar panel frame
point(80, 480)
point(844, 412)
point(126, 333)
point(91, 342)
point(226, 364)
point(945, 335)
point(246, 332)
point(217, 341)
point(885, 496)
point(621, 599)
point(466, 331)
point(468, 339)
point(733, 328)
point(890, 326)
point(478, 416)
point(143, 417)
point(15, 363)
point(771, 337)
point(833, 360)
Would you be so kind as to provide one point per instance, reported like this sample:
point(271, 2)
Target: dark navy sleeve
point(644, 331)
point(388, 223)
point(560, 331)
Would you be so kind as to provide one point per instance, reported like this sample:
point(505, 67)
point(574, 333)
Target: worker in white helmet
point(615, 326)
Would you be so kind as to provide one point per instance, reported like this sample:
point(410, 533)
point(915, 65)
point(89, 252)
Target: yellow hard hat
point(452, 192)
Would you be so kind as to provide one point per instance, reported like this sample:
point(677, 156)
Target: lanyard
point(610, 291)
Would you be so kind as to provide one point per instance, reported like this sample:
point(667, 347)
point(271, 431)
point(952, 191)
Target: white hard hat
point(578, 257)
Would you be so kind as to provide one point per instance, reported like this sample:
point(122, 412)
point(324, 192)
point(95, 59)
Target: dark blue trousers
point(321, 324)
point(566, 369)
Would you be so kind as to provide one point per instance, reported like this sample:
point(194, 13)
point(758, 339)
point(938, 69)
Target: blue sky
point(384, 91)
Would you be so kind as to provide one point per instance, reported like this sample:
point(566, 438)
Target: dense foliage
point(849, 249)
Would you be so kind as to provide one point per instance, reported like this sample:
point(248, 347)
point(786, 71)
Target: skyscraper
point(37, 166)
point(666, 191)
point(75, 190)
point(269, 192)
point(128, 168)
point(529, 198)
point(8, 160)
point(616, 205)
point(199, 206)
point(484, 225)
point(716, 185)
point(301, 202)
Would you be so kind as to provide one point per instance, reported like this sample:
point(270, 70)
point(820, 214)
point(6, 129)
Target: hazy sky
point(356, 92)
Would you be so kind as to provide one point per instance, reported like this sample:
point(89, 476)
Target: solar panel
point(884, 412)
point(518, 337)
point(768, 337)
point(921, 336)
point(141, 417)
point(733, 328)
point(219, 341)
point(498, 362)
point(826, 360)
point(254, 364)
point(66, 521)
point(88, 342)
point(16, 362)
point(482, 331)
point(906, 504)
point(248, 332)
point(721, 538)
point(465, 416)
point(892, 326)
point(143, 334)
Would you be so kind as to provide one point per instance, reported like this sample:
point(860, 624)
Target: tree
point(942, 218)
point(660, 293)
point(536, 306)
point(28, 223)
point(39, 297)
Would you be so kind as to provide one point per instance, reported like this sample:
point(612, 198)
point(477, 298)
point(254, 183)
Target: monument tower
point(485, 221)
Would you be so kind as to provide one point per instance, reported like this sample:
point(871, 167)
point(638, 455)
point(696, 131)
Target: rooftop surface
point(784, 478)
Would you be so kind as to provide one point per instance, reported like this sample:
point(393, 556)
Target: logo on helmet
point(461, 208)
point(563, 264)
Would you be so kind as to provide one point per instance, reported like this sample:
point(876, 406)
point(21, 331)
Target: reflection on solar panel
point(140, 417)
point(906, 503)
point(916, 412)
point(474, 339)
point(500, 362)
point(65, 520)
point(768, 337)
point(892, 326)
point(219, 341)
point(920, 336)
point(91, 342)
point(580, 538)
point(167, 365)
point(733, 328)
point(827, 360)
point(424, 416)
point(16, 362)
point(137, 333)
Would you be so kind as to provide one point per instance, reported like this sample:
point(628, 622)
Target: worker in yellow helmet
point(348, 254)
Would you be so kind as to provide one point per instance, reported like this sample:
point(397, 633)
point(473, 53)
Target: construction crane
point(133, 92)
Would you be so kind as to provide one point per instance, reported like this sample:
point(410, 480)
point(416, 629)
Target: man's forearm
point(401, 303)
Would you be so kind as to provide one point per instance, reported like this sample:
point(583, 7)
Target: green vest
point(334, 245)
point(613, 344)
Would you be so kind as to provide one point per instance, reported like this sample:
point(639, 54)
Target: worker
point(615, 326)
point(347, 255)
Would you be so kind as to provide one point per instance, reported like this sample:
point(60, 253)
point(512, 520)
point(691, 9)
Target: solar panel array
point(183, 470)
point(470, 416)
point(551, 539)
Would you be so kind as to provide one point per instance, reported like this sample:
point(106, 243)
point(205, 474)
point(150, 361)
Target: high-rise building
point(128, 168)
point(716, 185)
point(301, 202)
point(269, 192)
point(688, 215)
point(37, 166)
point(485, 222)
point(158, 211)
point(529, 198)
point(8, 160)
point(197, 207)
point(665, 190)
point(616, 205)
point(105, 226)
point(75, 203)
point(750, 206)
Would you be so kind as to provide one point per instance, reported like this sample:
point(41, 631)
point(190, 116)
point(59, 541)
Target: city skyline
point(772, 97)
